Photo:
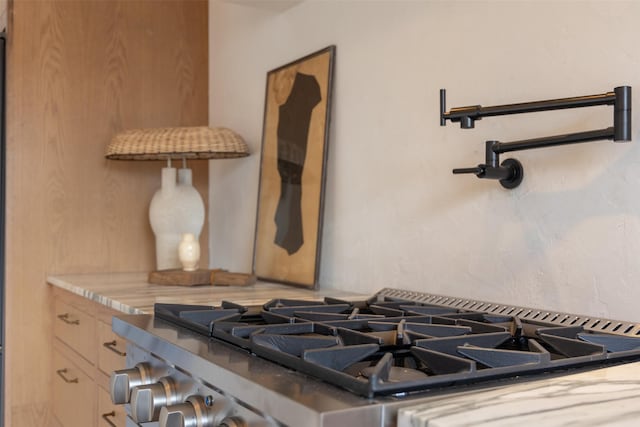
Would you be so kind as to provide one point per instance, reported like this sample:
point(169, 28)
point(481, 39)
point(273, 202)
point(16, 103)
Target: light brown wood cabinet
point(74, 391)
point(86, 351)
point(79, 72)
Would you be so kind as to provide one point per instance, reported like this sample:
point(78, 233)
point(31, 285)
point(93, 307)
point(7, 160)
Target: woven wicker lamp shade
point(176, 210)
point(200, 142)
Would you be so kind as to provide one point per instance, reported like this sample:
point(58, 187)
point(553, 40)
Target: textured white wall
point(567, 239)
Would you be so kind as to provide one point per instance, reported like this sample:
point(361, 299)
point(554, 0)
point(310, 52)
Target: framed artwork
point(292, 170)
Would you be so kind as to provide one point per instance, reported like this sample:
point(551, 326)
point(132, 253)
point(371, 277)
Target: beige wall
point(78, 72)
point(568, 238)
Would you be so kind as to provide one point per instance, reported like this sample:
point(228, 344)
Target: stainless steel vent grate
point(594, 324)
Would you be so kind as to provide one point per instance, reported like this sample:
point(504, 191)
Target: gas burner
point(396, 374)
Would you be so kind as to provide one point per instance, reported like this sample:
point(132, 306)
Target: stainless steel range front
point(343, 363)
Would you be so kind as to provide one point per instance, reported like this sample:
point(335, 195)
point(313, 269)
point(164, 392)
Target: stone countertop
point(601, 397)
point(130, 293)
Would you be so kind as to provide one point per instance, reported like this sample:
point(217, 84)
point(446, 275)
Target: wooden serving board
point(216, 277)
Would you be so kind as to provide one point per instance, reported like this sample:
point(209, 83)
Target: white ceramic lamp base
point(176, 209)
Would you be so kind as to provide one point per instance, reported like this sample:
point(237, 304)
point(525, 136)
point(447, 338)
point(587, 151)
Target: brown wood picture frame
point(295, 139)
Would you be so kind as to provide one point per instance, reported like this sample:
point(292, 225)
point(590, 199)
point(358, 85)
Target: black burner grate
point(393, 345)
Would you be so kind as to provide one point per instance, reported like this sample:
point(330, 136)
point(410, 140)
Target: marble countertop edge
point(93, 296)
point(130, 293)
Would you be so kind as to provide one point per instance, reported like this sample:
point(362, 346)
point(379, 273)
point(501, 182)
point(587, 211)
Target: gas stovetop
point(400, 343)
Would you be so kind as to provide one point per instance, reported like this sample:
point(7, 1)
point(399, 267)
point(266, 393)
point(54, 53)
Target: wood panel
point(73, 384)
point(113, 357)
point(76, 328)
point(78, 72)
point(108, 412)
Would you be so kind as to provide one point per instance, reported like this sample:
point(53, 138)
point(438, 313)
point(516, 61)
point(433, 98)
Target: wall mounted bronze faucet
point(510, 171)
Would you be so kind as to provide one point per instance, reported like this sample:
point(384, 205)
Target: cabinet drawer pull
point(111, 345)
point(61, 373)
point(106, 418)
point(65, 318)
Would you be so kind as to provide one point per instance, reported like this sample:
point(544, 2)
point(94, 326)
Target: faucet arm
point(620, 98)
point(552, 141)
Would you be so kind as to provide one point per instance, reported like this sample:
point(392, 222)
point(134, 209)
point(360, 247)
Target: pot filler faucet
point(510, 171)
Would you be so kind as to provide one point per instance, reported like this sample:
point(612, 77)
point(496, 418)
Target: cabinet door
point(74, 392)
point(111, 349)
point(76, 328)
point(109, 415)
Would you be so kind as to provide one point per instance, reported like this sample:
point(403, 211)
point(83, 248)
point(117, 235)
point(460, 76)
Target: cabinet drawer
point(76, 328)
point(74, 393)
point(111, 349)
point(109, 415)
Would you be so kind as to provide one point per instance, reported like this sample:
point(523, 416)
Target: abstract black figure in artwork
point(293, 131)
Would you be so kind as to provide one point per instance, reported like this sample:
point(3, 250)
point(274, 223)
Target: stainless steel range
point(338, 363)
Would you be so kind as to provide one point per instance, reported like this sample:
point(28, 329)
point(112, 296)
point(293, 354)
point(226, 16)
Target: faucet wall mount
point(510, 172)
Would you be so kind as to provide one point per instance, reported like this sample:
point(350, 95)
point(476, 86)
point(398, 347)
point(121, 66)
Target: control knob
point(146, 400)
point(197, 412)
point(124, 380)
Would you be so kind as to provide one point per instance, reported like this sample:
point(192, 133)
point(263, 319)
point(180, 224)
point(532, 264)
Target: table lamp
point(176, 208)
